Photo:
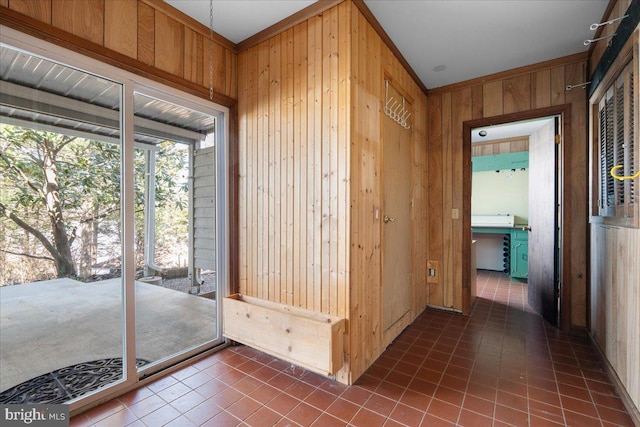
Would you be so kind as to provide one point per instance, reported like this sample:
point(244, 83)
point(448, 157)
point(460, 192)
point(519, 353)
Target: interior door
point(543, 224)
point(396, 219)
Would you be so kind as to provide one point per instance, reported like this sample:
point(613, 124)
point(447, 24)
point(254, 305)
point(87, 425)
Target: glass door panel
point(176, 241)
point(61, 287)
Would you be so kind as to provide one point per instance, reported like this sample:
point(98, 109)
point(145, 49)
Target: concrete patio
point(52, 324)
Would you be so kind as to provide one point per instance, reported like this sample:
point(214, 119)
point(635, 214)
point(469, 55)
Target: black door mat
point(67, 383)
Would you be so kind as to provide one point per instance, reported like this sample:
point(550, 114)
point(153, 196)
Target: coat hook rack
point(595, 26)
point(622, 177)
point(397, 109)
point(582, 85)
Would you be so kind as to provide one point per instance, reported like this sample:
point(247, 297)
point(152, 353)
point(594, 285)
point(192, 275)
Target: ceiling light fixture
point(439, 68)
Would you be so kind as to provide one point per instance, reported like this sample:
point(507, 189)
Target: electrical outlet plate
point(433, 271)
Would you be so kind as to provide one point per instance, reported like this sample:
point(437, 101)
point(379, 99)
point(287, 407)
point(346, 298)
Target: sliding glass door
point(112, 225)
point(61, 286)
point(176, 237)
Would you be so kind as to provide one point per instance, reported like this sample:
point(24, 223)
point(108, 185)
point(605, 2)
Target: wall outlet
point(433, 271)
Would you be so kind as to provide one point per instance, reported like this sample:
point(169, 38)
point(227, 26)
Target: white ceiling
point(509, 130)
point(472, 38)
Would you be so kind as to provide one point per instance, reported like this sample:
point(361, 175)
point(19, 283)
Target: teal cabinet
point(516, 249)
point(519, 254)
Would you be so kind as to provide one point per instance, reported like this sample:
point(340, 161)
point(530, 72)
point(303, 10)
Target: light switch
point(455, 214)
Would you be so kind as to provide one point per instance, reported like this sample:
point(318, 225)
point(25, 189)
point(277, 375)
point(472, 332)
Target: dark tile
point(406, 415)
point(472, 419)
point(304, 414)
point(444, 410)
point(342, 409)
point(263, 417)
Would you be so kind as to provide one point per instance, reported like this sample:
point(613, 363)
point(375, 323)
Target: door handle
point(387, 219)
point(526, 228)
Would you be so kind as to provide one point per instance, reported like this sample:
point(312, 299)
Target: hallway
point(501, 366)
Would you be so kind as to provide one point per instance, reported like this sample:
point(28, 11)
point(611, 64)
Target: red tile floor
point(502, 366)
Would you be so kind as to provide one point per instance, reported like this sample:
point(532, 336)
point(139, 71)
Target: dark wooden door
point(543, 223)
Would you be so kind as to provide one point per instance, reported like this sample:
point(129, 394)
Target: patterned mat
point(67, 383)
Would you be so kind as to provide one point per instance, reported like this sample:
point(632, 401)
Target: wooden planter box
point(306, 338)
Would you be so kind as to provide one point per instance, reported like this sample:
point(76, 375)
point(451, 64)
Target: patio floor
point(48, 325)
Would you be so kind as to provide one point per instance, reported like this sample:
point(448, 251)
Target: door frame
point(564, 112)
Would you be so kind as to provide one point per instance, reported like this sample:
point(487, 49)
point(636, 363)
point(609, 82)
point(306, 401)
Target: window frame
point(623, 74)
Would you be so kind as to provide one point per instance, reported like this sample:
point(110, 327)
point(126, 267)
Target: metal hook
point(595, 26)
point(583, 85)
point(588, 42)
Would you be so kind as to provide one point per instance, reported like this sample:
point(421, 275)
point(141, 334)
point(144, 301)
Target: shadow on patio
point(49, 325)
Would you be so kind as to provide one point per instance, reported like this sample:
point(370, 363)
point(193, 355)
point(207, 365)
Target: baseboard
point(622, 391)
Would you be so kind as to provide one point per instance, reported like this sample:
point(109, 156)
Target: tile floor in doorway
point(502, 366)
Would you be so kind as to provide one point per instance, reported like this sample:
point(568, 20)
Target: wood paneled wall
point(615, 302)
point(294, 115)
point(508, 94)
point(310, 110)
point(145, 36)
point(489, 148)
point(372, 61)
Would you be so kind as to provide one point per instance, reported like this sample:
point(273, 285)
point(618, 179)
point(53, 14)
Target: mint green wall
point(506, 192)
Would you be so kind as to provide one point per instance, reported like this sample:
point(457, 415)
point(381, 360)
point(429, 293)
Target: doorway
point(530, 243)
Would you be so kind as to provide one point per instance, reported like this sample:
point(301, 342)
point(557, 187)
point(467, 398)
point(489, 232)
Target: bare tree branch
point(29, 229)
point(27, 255)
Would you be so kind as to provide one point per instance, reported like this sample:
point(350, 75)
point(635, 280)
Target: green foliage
point(88, 177)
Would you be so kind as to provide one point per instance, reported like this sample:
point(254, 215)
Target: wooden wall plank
point(193, 56)
point(492, 99)
point(146, 34)
point(37, 9)
point(435, 205)
point(83, 18)
point(299, 197)
point(273, 163)
point(243, 162)
point(275, 142)
point(287, 111)
point(231, 85)
point(448, 183)
point(169, 46)
point(541, 89)
point(263, 172)
point(517, 94)
point(121, 26)
point(558, 86)
point(315, 29)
